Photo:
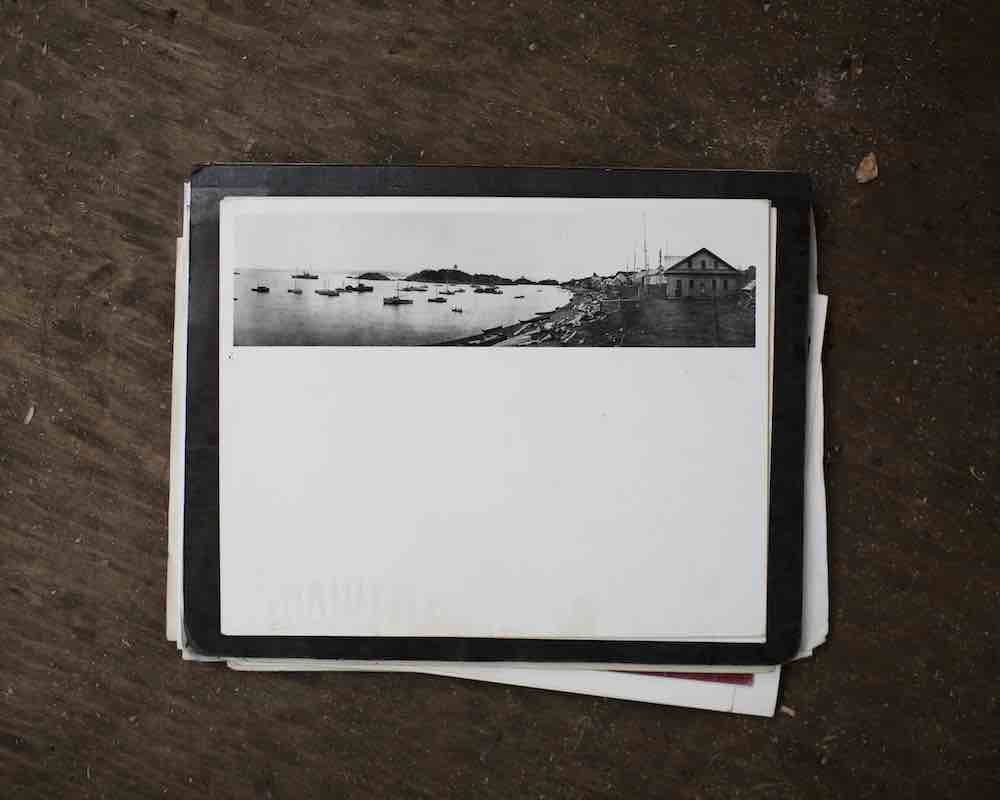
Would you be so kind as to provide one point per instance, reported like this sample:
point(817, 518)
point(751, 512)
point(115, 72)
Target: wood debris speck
point(867, 170)
point(30, 415)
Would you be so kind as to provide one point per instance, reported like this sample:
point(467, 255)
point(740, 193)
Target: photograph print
point(496, 272)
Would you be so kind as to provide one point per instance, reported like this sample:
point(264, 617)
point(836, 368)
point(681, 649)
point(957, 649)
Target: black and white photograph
point(498, 273)
point(641, 372)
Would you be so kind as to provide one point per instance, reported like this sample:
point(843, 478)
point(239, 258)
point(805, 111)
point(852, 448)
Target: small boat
point(236, 272)
point(307, 275)
point(436, 300)
point(446, 291)
point(419, 289)
point(328, 292)
point(396, 300)
point(363, 287)
point(295, 289)
point(261, 289)
point(459, 290)
point(456, 310)
point(518, 296)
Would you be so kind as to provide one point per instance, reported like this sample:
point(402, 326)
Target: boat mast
point(645, 249)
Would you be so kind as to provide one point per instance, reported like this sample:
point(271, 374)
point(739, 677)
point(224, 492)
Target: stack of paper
point(551, 428)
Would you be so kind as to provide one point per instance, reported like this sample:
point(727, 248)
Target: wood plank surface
point(104, 107)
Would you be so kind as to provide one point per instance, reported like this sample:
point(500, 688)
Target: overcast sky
point(558, 239)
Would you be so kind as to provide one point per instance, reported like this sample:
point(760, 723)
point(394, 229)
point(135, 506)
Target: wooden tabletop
point(104, 107)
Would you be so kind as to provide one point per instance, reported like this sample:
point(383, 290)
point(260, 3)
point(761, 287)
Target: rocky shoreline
point(583, 321)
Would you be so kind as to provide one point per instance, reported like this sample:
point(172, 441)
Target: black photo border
point(790, 193)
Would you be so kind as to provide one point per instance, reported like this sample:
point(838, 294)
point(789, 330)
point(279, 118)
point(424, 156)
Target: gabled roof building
point(701, 274)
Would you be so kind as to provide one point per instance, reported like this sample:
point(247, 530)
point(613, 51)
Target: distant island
point(373, 276)
point(460, 276)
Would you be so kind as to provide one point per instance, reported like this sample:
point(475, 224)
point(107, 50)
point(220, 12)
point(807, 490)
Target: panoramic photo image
point(489, 272)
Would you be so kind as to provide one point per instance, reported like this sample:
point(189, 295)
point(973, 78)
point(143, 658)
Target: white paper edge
point(758, 699)
point(174, 519)
point(815, 583)
point(178, 400)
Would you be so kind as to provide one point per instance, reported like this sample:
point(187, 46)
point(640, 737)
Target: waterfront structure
point(701, 274)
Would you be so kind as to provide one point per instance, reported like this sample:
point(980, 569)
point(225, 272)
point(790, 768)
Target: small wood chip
point(30, 415)
point(867, 170)
point(788, 711)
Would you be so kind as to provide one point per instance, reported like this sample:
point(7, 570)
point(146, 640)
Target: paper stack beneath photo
point(553, 428)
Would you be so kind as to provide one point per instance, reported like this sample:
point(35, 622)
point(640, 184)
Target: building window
point(703, 263)
point(691, 283)
point(725, 283)
point(713, 284)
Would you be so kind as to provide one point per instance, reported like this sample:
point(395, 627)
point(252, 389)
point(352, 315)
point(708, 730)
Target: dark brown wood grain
point(104, 107)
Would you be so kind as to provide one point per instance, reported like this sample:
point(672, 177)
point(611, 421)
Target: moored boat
point(396, 300)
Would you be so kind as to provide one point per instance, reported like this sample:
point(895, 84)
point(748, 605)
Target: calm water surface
point(282, 318)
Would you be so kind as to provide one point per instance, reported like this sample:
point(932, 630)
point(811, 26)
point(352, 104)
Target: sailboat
point(307, 275)
point(396, 300)
point(295, 288)
point(260, 288)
